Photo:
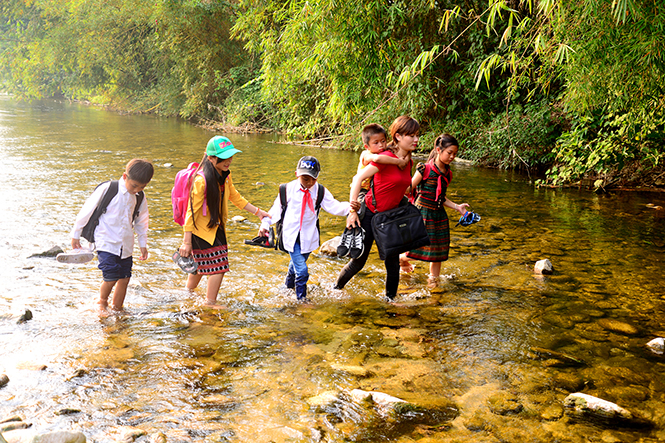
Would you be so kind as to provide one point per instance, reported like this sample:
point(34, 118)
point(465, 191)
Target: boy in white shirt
point(300, 225)
point(126, 213)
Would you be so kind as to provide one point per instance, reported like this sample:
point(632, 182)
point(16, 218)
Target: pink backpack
point(180, 192)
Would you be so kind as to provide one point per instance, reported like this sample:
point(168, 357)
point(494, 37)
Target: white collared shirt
point(115, 232)
point(309, 235)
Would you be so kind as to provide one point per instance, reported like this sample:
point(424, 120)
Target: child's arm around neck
point(385, 159)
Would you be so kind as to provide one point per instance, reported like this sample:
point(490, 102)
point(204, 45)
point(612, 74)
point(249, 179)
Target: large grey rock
point(28, 436)
point(330, 247)
point(594, 407)
point(54, 251)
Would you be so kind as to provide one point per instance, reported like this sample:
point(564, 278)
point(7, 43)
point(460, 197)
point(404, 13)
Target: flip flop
point(468, 218)
point(187, 264)
point(345, 243)
point(357, 242)
point(264, 242)
point(77, 256)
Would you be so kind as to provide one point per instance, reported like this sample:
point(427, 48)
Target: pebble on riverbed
point(657, 346)
point(543, 267)
point(3, 380)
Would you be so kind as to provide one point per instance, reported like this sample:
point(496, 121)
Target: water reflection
point(486, 338)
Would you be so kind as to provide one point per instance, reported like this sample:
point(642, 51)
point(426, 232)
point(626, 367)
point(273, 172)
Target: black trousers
point(355, 265)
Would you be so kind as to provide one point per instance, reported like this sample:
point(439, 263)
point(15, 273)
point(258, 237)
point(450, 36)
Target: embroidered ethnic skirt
point(438, 229)
point(212, 259)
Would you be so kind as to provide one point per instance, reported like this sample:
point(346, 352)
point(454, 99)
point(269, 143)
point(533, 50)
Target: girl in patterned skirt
point(429, 183)
point(204, 229)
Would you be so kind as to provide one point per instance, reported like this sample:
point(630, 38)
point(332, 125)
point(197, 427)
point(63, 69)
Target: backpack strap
point(319, 197)
point(88, 231)
point(282, 199)
point(139, 199)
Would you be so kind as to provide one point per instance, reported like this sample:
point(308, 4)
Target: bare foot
point(103, 312)
point(212, 304)
point(405, 265)
point(432, 282)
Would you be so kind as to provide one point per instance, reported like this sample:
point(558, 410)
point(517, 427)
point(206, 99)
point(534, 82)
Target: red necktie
point(306, 201)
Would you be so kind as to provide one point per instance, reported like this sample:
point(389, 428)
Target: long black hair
point(213, 194)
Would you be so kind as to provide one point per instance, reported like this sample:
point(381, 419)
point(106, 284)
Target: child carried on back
point(300, 231)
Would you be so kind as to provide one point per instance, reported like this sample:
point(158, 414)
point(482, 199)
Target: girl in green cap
point(204, 229)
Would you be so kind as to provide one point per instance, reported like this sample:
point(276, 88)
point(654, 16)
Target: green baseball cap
point(221, 147)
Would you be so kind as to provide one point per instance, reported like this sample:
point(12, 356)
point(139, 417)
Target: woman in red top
point(389, 185)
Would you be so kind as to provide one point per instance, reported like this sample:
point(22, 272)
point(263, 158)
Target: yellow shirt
point(198, 196)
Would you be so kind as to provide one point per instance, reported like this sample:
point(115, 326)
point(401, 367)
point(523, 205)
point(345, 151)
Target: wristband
point(351, 210)
point(257, 211)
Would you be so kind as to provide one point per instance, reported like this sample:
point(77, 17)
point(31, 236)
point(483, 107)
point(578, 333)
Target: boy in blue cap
point(300, 231)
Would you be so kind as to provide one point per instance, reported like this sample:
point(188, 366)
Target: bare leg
point(119, 294)
point(104, 293)
point(193, 281)
point(404, 264)
point(214, 283)
point(434, 272)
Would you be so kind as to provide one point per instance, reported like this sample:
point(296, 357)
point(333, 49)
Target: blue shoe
point(468, 218)
point(345, 244)
point(357, 243)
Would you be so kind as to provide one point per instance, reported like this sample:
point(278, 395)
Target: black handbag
point(399, 230)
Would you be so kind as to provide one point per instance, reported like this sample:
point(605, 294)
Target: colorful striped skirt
point(212, 259)
point(438, 229)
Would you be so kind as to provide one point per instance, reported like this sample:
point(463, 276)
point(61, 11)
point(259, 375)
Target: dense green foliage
point(572, 87)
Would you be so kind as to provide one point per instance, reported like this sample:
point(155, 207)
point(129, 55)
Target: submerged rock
point(238, 219)
point(13, 425)
point(657, 345)
point(504, 403)
point(358, 371)
point(568, 360)
point(324, 400)
point(386, 403)
point(618, 326)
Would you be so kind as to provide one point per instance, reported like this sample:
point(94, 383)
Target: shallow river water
point(488, 356)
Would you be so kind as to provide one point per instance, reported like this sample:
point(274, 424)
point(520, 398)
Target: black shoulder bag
point(399, 229)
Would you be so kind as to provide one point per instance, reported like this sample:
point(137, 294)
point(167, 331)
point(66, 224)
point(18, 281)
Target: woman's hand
point(263, 232)
point(262, 214)
point(352, 220)
point(185, 250)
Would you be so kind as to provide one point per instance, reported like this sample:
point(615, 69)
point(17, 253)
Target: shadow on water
point(488, 355)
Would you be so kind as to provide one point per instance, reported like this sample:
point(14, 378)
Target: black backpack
point(88, 232)
point(279, 242)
